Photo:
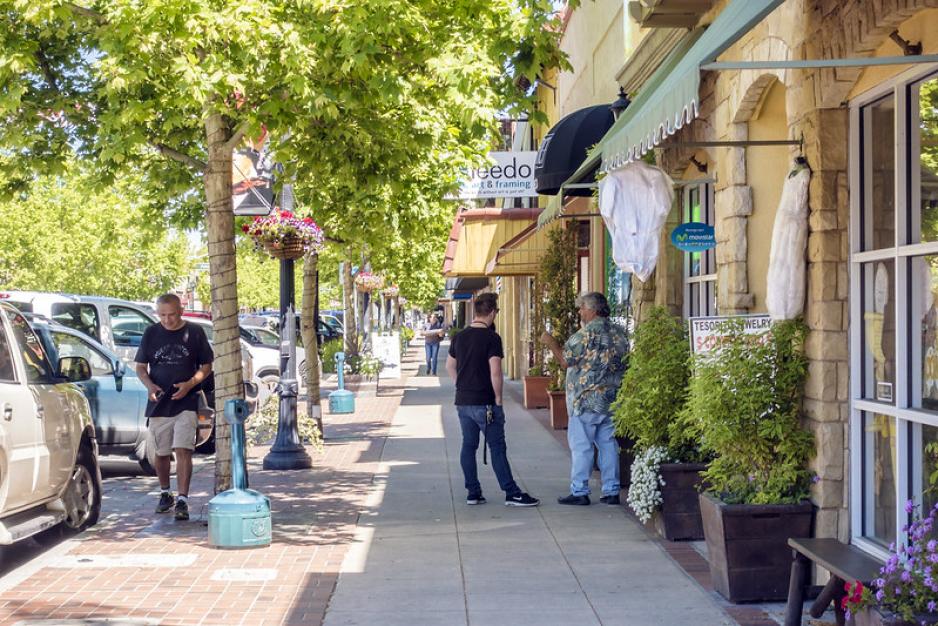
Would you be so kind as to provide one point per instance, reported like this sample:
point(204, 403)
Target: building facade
point(870, 136)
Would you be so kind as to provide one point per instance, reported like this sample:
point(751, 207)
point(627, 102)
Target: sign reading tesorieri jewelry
point(510, 176)
point(706, 333)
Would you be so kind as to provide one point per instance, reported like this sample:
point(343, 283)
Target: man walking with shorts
point(475, 363)
point(173, 360)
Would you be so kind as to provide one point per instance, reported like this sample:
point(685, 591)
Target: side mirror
point(120, 370)
point(75, 368)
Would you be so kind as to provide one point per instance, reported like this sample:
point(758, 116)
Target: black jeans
point(472, 421)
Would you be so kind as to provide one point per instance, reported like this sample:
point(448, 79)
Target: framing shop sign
point(511, 176)
point(706, 333)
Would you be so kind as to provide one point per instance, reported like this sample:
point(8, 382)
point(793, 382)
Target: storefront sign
point(706, 333)
point(510, 176)
point(694, 237)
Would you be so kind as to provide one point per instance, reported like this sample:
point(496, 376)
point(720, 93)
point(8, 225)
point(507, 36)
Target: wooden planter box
point(748, 546)
point(679, 517)
point(558, 409)
point(873, 617)
point(535, 392)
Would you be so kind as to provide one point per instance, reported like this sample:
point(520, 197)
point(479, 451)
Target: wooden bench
point(845, 564)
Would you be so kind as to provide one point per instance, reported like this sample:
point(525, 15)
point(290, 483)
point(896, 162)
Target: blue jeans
point(472, 421)
point(432, 350)
point(583, 432)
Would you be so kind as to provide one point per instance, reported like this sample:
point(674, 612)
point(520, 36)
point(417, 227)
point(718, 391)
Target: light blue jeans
point(583, 432)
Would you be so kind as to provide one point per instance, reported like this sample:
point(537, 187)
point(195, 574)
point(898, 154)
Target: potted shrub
point(666, 471)
point(557, 397)
point(744, 407)
point(536, 382)
point(558, 276)
point(906, 592)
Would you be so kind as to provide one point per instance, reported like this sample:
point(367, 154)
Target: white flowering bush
point(645, 491)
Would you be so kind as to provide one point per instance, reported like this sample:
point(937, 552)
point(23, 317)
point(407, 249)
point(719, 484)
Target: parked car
point(116, 324)
point(265, 350)
point(117, 397)
point(48, 451)
point(333, 322)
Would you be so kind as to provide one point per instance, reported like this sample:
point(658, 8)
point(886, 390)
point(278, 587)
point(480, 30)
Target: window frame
point(906, 418)
point(704, 281)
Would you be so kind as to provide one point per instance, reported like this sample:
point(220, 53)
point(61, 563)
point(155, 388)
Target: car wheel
point(82, 496)
point(209, 446)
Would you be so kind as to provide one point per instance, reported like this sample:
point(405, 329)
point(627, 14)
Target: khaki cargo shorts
point(174, 432)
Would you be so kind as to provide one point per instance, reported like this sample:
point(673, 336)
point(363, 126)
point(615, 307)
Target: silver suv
point(49, 471)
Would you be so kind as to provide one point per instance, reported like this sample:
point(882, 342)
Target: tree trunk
point(396, 313)
point(219, 219)
point(351, 330)
point(310, 340)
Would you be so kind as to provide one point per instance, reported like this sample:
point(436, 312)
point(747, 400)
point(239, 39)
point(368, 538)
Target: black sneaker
point(479, 499)
point(182, 510)
point(522, 499)
point(574, 500)
point(610, 499)
point(166, 502)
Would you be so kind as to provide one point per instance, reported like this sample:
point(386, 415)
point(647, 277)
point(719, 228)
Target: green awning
point(668, 100)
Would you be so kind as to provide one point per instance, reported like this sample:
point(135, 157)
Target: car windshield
point(266, 337)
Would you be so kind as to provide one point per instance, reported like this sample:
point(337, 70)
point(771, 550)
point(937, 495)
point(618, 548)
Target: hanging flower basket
point(285, 236)
point(368, 282)
point(391, 292)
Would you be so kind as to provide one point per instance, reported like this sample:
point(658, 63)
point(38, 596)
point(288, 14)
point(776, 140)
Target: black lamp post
point(621, 104)
point(287, 452)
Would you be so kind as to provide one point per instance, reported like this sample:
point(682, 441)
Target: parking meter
point(239, 517)
point(341, 400)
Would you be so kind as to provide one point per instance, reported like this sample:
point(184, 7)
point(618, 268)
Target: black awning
point(564, 149)
point(466, 283)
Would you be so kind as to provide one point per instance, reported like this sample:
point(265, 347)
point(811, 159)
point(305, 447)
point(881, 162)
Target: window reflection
point(879, 174)
point(928, 157)
point(879, 466)
point(879, 330)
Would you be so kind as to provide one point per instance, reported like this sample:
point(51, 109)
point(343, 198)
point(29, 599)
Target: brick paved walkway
point(135, 567)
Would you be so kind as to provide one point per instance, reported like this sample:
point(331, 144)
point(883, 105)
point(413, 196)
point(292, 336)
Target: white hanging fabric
point(635, 201)
point(785, 281)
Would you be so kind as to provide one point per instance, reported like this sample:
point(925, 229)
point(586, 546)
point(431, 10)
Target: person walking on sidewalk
point(173, 359)
point(593, 357)
point(475, 364)
point(432, 336)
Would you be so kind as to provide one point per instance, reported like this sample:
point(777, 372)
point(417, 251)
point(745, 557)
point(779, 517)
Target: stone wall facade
point(817, 112)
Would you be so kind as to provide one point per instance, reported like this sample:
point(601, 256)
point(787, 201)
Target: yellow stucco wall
point(766, 168)
point(594, 41)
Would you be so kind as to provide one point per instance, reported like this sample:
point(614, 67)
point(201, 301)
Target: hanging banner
point(694, 237)
point(252, 178)
point(511, 176)
point(706, 333)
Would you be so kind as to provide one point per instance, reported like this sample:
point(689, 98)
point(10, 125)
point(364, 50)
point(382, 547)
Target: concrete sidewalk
point(424, 557)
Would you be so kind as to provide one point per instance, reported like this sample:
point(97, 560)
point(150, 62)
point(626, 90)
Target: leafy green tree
point(63, 234)
point(368, 101)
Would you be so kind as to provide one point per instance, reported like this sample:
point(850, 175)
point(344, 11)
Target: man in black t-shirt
point(475, 363)
point(173, 360)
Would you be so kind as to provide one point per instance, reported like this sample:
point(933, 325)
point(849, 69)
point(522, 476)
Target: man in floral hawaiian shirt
point(593, 357)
